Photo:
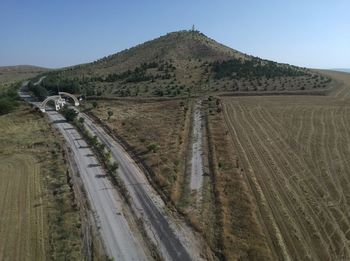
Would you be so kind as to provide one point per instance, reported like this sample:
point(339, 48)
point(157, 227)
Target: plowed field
point(294, 152)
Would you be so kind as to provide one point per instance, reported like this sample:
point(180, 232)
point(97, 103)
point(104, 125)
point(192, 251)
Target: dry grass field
point(23, 227)
point(37, 218)
point(157, 131)
point(293, 154)
point(10, 74)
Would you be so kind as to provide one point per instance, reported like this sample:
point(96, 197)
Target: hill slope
point(183, 63)
point(342, 70)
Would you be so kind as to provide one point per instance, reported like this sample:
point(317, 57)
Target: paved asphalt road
point(146, 202)
point(118, 239)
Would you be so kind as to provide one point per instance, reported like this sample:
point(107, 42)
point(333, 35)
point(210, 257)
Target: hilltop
point(179, 64)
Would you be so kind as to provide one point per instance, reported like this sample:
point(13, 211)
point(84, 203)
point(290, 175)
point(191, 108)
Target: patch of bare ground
point(293, 152)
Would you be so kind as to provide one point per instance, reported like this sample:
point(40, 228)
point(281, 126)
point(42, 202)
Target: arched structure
point(59, 102)
point(76, 102)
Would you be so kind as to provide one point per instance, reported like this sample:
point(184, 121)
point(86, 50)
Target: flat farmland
point(38, 220)
point(293, 152)
point(22, 212)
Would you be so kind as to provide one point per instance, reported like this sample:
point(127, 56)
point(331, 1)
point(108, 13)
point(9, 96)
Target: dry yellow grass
point(23, 229)
point(38, 221)
point(157, 132)
point(295, 158)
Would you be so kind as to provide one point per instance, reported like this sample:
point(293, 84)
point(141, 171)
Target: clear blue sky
point(56, 33)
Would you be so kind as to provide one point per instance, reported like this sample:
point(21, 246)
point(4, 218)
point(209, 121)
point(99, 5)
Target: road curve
point(113, 226)
point(174, 240)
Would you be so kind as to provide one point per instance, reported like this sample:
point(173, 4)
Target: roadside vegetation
point(103, 153)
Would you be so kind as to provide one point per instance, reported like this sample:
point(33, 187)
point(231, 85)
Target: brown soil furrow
point(322, 148)
point(339, 161)
point(329, 157)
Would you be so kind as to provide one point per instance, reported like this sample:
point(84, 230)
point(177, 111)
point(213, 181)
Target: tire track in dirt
point(299, 163)
point(338, 211)
point(282, 168)
point(271, 196)
point(248, 160)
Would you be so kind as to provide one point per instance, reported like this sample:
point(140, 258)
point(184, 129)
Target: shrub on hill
point(40, 92)
point(9, 100)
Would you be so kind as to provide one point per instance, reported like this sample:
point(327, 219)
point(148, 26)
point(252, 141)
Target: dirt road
point(197, 169)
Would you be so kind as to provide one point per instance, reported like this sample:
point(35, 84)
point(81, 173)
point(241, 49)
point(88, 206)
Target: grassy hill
point(179, 64)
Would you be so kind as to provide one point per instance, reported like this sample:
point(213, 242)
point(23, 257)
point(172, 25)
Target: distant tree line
point(238, 68)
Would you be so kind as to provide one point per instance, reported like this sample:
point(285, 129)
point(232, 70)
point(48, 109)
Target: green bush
point(7, 105)
point(69, 114)
point(9, 100)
